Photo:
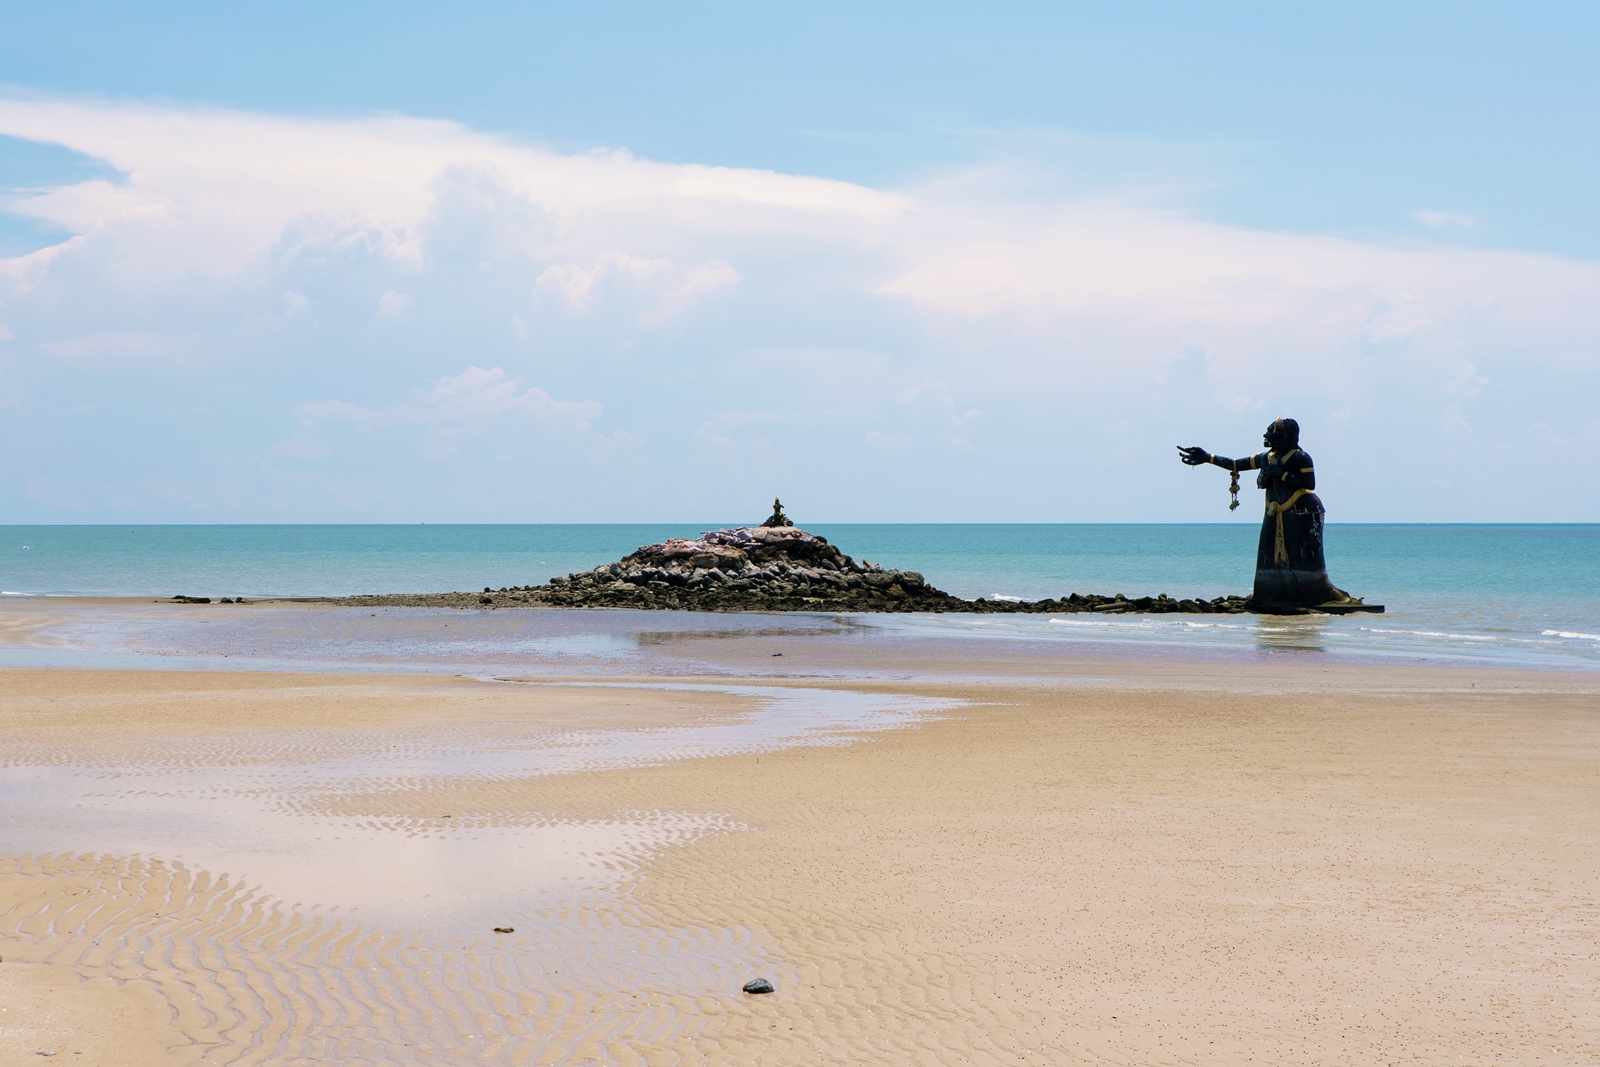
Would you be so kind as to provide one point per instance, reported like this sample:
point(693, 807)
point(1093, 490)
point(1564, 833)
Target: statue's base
point(1332, 607)
point(1349, 609)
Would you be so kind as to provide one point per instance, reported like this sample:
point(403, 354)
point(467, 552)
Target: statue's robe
point(1290, 568)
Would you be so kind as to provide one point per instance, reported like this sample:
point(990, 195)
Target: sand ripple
point(329, 896)
point(248, 980)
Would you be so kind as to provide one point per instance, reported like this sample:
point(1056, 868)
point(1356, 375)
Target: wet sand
point(1067, 859)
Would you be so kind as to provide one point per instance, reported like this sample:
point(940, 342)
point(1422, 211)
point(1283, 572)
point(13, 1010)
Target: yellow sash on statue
point(1280, 552)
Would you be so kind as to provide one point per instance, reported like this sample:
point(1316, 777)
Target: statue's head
point(1282, 434)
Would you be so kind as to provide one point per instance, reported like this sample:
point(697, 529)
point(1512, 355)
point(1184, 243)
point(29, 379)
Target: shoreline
point(325, 634)
point(542, 597)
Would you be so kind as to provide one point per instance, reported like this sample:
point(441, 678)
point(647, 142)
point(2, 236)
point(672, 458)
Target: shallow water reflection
point(272, 808)
point(337, 896)
point(1292, 633)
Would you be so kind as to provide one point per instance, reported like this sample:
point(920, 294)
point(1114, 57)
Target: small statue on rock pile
point(778, 517)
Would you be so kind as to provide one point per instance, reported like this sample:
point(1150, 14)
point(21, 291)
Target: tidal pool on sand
point(291, 900)
point(273, 809)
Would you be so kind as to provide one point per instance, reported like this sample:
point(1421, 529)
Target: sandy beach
point(1029, 859)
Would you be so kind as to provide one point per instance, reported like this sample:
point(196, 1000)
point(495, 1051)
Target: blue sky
point(914, 262)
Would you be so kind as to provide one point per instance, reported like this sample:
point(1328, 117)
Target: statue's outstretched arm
point(1195, 456)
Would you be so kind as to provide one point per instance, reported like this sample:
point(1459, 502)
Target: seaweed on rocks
point(773, 568)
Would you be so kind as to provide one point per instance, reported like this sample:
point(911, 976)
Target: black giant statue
point(1290, 569)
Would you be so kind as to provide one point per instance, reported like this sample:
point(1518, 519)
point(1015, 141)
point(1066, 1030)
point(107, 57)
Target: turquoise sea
point(1526, 594)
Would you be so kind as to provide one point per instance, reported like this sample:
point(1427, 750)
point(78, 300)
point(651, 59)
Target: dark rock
point(758, 986)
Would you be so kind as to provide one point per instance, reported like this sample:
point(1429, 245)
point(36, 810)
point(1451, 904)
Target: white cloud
point(1456, 427)
point(666, 289)
point(215, 192)
point(935, 397)
point(1549, 441)
point(1465, 382)
point(1391, 316)
point(709, 441)
point(896, 444)
point(98, 345)
point(1156, 279)
point(325, 410)
point(1444, 220)
point(465, 400)
point(925, 417)
point(477, 392)
point(302, 446)
point(392, 305)
point(253, 245)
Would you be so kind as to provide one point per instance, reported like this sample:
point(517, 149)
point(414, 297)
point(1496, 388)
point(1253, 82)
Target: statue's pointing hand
point(1193, 456)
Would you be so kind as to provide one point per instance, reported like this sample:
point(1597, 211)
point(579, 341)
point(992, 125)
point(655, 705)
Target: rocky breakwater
point(772, 568)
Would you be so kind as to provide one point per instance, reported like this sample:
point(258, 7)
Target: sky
point(895, 263)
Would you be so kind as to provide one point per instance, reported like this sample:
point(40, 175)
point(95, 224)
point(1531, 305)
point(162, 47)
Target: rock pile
point(772, 568)
point(767, 567)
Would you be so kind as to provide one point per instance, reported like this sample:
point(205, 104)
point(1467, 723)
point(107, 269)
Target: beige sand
point(1182, 864)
